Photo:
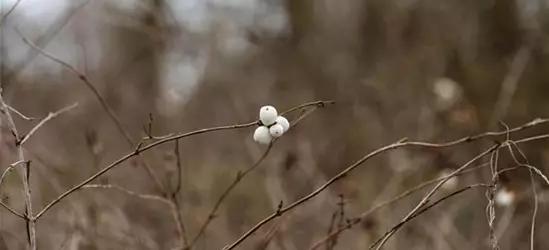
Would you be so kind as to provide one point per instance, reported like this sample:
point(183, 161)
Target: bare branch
point(427, 197)
point(5, 17)
point(375, 208)
point(43, 121)
point(509, 85)
point(139, 150)
point(129, 192)
point(401, 143)
point(21, 114)
point(425, 209)
point(31, 224)
point(177, 212)
point(104, 105)
point(239, 176)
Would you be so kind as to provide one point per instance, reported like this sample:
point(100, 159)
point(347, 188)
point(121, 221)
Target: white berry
point(262, 135)
point(283, 122)
point(267, 115)
point(276, 130)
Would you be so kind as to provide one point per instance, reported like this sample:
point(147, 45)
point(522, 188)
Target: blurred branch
point(380, 242)
point(42, 41)
point(139, 149)
point(5, 17)
point(425, 209)
point(129, 192)
point(4, 174)
point(494, 151)
point(103, 103)
point(239, 176)
point(509, 85)
point(268, 237)
point(43, 121)
point(399, 197)
point(401, 143)
point(178, 213)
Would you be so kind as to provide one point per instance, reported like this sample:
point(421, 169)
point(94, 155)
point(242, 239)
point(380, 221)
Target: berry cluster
point(272, 125)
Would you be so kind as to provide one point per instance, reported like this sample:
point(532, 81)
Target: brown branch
point(4, 174)
point(43, 121)
point(31, 225)
point(178, 217)
point(509, 85)
point(129, 192)
point(401, 143)
point(239, 176)
point(531, 170)
point(375, 208)
point(425, 209)
point(21, 114)
point(104, 105)
point(430, 194)
point(5, 17)
point(137, 151)
point(174, 206)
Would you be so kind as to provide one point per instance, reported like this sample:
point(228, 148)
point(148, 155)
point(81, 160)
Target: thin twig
point(8, 169)
point(43, 121)
point(177, 213)
point(428, 207)
point(534, 191)
point(21, 114)
point(4, 174)
point(509, 85)
point(490, 195)
point(375, 208)
point(379, 243)
point(239, 176)
point(5, 17)
point(267, 238)
point(137, 151)
point(179, 166)
point(129, 192)
point(401, 143)
point(31, 225)
point(104, 105)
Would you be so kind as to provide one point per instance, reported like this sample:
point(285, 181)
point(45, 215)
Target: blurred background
point(426, 70)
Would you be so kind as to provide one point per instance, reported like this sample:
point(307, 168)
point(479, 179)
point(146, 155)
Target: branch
point(375, 208)
point(177, 208)
point(129, 192)
point(21, 114)
point(141, 149)
point(239, 176)
point(509, 85)
point(4, 174)
point(43, 121)
point(427, 197)
point(103, 103)
point(5, 17)
point(425, 209)
point(399, 144)
point(31, 225)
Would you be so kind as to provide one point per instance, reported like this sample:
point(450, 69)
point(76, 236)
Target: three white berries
point(273, 125)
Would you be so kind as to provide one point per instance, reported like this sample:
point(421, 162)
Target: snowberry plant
point(272, 125)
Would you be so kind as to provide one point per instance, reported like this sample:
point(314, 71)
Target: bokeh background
point(426, 70)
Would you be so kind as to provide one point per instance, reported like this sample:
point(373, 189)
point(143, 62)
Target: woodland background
point(427, 70)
